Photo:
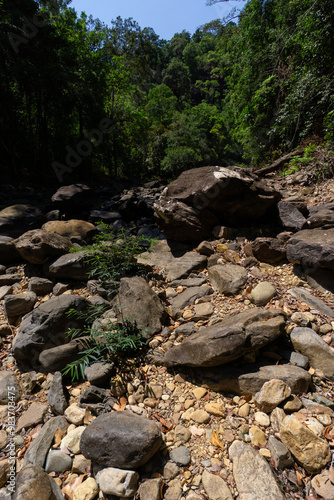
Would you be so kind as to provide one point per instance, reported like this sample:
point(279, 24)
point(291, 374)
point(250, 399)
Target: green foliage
point(113, 255)
point(106, 341)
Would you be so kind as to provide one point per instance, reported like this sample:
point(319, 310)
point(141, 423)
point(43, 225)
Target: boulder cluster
point(232, 397)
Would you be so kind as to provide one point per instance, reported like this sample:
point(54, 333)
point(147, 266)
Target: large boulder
point(72, 198)
point(17, 219)
point(291, 218)
point(320, 215)
point(229, 339)
point(33, 482)
point(71, 266)
point(71, 228)
point(312, 248)
point(190, 207)
point(129, 441)
point(45, 328)
point(137, 302)
point(37, 246)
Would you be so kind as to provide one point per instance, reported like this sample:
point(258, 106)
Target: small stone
point(258, 437)
point(187, 314)
point(262, 293)
point(56, 396)
point(312, 452)
point(151, 489)
point(203, 310)
point(215, 487)
point(3, 439)
point(205, 248)
point(276, 418)
point(57, 461)
point(181, 456)
point(271, 395)
point(174, 490)
point(324, 329)
point(72, 440)
point(314, 425)
point(119, 482)
point(86, 490)
point(182, 434)
point(81, 465)
point(244, 410)
point(293, 403)
point(262, 419)
point(216, 409)
point(265, 453)
point(280, 454)
point(199, 392)
point(300, 318)
point(324, 420)
point(200, 417)
point(323, 485)
point(74, 414)
point(33, 416)
point(29, 381)
point(171, 470)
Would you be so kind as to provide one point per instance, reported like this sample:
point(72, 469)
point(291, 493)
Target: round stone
point(181, 456)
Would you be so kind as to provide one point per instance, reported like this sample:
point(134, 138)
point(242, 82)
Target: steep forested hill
point(78, 98)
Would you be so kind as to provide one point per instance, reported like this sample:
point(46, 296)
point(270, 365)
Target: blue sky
point(166, 17)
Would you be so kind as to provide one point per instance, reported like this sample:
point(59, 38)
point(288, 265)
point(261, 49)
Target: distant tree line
point(233, 92)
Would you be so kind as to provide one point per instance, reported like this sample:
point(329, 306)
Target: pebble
point(199, 392)
point(216, 409)
point(181, 456)
point(244, 410)
point(86, 490)
point(200, 417)
point(257, 436)
point(262, 419)
point(74, 414)
point(72, 440)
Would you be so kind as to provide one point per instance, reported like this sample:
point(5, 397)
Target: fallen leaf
point(196, 431)
point(88, 417)
point(329, 432)
point(215, 441)
point(58, 437)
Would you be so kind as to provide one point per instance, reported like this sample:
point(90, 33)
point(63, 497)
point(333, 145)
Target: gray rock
point(280, 454)
point(320, 355)
point(40, 286)
point(19, 304)
point(33, 416)
point(56, 395)
point(94, 398)
point(229, 339)
point(137, 302)
point(228, 278)
point(174, 262)
point(262, 293)
point(151, 489)
point(188, 282)
point(313, 302)
point(122, 483)
point(8, 253)
point(249, 379)
point(29, 381)
point(174, 490)
point(291, 218)
point(215, 487)
point(33, 482)
point(312, 248)
point(171, 470)
point(9, 279)
point(60, 288)
point(17, 219)
point(45, 327)
point(295, 358)
point(202, 198)
point(56, 358)
point(5, 494)
point(71, 266)
point(39, 448)
point(72, 198)
point(100, 373)
point(269, 250)
point(57, 461)
point(252, 474)
point(188, 297)
point(9, 387)
point(5, 290)
point(37, 246)
point(320, 215)
point(181, 456)
point(129, 440)
point(205, 248)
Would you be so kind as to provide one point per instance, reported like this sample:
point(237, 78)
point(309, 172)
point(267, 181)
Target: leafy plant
point(113, 255)
point(107, 339)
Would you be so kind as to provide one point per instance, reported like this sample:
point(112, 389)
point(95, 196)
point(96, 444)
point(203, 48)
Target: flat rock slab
point(129, 441)
point(320, 355)
point(312, 248)
point(252, 474)
point(313, 302)
point(228, 340)
point(174, 262)
point(250, 378)
point(188, 297)
point(69, 266)
point(39, 448)
point(33, 416)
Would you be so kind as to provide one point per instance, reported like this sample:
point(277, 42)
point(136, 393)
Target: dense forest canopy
point(79, 98)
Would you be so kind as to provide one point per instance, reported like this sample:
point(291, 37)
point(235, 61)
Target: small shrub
point(107, 340)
